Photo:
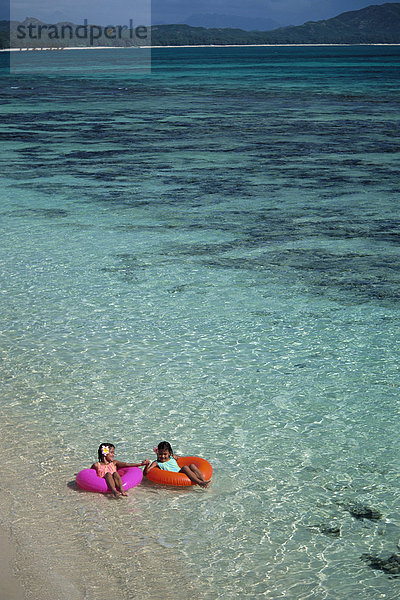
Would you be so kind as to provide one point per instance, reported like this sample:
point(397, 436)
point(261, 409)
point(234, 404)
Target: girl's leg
point(111, 484)
point(119, 484)
point(195, 475)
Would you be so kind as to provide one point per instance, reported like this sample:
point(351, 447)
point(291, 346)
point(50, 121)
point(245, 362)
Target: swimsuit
point(104, 468)
point(170, 465)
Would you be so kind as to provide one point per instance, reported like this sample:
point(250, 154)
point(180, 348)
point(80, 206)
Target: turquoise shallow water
point(207, 254)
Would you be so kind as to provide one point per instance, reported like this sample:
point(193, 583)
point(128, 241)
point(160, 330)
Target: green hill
point(371, 25)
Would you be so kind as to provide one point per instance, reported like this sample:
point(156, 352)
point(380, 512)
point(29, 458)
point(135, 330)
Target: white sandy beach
point(189, 46)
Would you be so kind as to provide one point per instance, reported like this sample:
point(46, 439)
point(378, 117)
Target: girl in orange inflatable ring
point(167, 461)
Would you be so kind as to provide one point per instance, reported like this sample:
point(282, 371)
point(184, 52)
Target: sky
point(119, 12)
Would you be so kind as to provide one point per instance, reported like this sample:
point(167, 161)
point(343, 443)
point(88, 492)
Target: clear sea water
point(207, 254)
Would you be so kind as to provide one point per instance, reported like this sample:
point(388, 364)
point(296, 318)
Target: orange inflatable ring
point(169, 478)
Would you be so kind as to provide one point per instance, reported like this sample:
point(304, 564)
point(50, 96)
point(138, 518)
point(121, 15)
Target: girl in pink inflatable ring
point(107, 468)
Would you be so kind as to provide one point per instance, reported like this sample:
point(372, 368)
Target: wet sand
point(10, 586)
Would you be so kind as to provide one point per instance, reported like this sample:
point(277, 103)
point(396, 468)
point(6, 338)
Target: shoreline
point(194, 46)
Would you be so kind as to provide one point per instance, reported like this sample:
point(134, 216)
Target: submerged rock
point(361, 511)
point(331, 530)
point(328, 529)
point(390, 565)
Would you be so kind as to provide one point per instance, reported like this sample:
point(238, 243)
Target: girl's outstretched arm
point(148, 467)
point(123, 465)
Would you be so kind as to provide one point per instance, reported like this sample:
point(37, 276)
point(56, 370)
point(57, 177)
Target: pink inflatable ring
point(90, 481)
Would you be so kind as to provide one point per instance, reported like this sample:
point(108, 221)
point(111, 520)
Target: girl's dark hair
point(165, 446)
point(100, 450)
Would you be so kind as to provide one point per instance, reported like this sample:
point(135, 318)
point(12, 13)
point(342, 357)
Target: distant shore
point(192, 46)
